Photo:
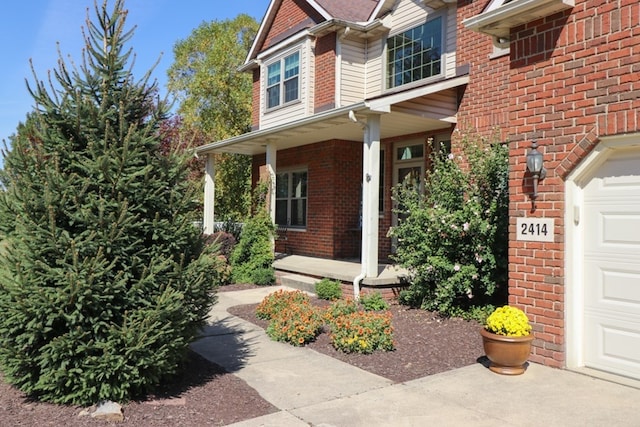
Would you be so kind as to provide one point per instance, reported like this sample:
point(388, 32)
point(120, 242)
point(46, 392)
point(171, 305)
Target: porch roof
point(414, 110)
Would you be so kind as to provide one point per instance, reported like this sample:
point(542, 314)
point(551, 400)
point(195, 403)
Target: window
point(291, 199)
point(283, 79)
point(415, 54)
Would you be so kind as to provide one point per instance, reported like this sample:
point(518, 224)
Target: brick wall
point(333, 198)
point(325, 87)
point(484, 104)
point(575, 78)
point(291, 17)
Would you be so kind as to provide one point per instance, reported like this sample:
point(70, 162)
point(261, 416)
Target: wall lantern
point(535, 167)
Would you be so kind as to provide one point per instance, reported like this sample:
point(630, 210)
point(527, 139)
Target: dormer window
point(415, 54)
point(283, 81)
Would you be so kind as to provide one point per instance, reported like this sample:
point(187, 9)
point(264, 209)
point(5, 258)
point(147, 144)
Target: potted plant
point(507, 338)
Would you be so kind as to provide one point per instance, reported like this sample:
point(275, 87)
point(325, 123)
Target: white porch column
point(208, 219)
point(271, 170)
point(370, 195)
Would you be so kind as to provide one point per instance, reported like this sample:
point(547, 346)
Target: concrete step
point(297, 281)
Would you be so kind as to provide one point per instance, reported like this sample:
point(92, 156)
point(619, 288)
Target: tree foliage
point(454, 236)
point(104, 281)
point(215, 100)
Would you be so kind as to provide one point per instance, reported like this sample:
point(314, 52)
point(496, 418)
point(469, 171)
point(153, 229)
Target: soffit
point(498, 21)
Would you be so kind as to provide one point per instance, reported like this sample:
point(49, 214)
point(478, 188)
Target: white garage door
point(612, 266)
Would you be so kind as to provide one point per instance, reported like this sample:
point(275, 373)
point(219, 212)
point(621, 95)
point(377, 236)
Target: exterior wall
point(291, 17)
point(575, 78)
point(255, 100)
point(325, 66)
point(295, 110)
point(352, 68)
point(333, 199)
point(484, 106)
point(407, 15)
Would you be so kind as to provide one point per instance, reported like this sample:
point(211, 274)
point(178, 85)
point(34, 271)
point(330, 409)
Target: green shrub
point(454, 237)
point(297, 324)
point(280, 300)
point(328, 289)
point(105, 281)
point(374, 301)
point(252, 258)
point(362, 332)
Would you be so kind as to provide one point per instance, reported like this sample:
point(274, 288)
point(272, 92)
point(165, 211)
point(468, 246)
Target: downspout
point(365, 226)
point(356, 282)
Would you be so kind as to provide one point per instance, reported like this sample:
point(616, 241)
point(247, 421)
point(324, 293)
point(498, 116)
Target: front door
point(408, 167)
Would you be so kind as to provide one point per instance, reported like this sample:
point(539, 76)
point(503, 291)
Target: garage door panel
point(614, 286)
point(620, 170)
point(612, 226)
point(616, 348)
point(611, 265)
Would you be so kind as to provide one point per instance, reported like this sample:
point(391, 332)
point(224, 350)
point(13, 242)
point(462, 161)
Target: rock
point(108, 411)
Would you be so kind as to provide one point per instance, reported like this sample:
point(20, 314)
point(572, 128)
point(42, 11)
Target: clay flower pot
point(508, 355)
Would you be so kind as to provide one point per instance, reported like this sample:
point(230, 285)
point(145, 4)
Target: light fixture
point(535, 167)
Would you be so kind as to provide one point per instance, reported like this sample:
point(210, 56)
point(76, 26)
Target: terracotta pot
point(508, 355)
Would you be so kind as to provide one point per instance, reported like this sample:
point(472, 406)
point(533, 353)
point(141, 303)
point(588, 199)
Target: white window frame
point(282, 80)
point(291, 197)
point(443, 41)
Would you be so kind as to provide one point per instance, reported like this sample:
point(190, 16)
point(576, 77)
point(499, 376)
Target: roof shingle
point(351, 10)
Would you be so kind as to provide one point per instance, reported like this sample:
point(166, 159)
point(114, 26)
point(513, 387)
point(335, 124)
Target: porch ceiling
point(412, 111)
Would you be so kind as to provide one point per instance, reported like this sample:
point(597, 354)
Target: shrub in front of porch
point(454, 236)
point(328, 289)
point(252, 258)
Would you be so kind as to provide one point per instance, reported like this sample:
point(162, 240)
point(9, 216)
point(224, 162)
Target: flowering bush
point(338, 308)
point(294, 320)
point(279, 301)
point(362, 332)
point(509, 321)
point(298, 324)
point(453, 236)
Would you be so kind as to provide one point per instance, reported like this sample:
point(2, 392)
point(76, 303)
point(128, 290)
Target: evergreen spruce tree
point(104, 280)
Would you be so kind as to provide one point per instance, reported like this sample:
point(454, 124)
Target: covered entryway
point(605, 285)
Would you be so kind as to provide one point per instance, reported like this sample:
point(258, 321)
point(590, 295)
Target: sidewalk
point(310, 388)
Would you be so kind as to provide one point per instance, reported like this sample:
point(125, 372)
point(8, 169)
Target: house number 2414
point(535, 229)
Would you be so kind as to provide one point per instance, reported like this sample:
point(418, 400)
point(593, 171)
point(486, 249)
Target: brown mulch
point(425, 343)
point(206, 395)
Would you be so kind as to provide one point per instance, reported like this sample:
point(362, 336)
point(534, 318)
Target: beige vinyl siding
point(375, 68)
point(352, 80)
point(450, 43)
point(296, 110)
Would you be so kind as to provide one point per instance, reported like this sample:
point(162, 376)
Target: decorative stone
point(108, 411)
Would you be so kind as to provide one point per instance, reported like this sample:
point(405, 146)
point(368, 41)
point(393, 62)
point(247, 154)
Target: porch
point(302, 272)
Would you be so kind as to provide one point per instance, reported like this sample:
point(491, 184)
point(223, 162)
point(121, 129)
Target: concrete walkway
point(310, 388)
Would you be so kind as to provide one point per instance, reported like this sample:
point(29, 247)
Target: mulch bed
point(206, 395)
point(425, 343)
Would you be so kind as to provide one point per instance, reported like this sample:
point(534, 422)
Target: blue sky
point(30, 29)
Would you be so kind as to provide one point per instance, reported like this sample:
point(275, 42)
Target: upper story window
point(283, 81)
point(415, 54)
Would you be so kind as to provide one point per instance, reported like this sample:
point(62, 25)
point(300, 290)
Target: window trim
point(281, 84)
point(404, 29)
point(290, 198)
